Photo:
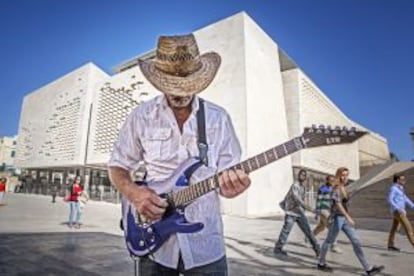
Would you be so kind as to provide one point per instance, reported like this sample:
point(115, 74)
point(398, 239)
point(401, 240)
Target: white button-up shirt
point(151, 134)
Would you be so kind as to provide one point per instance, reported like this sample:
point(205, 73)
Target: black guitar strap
point(201, 126)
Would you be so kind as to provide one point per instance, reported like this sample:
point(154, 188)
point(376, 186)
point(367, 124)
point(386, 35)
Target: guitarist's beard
point(179, 102)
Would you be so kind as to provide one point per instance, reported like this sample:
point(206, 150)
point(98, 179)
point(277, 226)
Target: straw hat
point(178, 68)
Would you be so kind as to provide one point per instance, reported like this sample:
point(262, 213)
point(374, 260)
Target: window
point(13, 153)
point(14, 142)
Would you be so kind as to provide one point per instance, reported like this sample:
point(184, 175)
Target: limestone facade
point(54, 121)
point(75, 120)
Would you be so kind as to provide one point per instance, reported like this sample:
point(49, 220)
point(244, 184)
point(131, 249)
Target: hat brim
point(183, 86)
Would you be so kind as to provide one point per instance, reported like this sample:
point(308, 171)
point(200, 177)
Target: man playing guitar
point(163, 133)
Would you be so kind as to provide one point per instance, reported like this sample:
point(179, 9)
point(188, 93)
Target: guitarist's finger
point(153, 212)
point(235, 182)
point(155, 208)
point(222, 180)
point(159, 201)
point(244, 178)
point(226, 185)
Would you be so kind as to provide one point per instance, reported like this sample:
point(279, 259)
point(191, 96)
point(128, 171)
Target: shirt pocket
point(212, 135)
point(157, 143)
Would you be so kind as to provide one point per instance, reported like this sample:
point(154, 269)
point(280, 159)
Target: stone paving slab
point(35, 240)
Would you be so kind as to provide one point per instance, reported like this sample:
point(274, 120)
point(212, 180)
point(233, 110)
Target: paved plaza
point(35, 240)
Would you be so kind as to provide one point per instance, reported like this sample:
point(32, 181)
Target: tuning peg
point(320, 129)
point(336, 130)
point(352, 131)
point(308, 130)
point(344, 131)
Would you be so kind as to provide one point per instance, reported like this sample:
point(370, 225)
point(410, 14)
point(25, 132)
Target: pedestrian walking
point(294, 207)
point(323, 209)
point(398, 200)
point(342, 221)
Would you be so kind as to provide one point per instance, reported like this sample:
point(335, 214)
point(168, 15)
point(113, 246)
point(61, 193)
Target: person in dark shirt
point(323, 209)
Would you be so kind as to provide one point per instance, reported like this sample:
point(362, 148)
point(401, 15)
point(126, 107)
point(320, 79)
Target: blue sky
point(359, 52)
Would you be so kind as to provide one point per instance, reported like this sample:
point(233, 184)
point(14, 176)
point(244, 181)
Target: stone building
point(8, 146)
point(68, 126)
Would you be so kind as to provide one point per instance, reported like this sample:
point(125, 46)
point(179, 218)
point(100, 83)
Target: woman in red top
point(75, 191)
point(2, 188)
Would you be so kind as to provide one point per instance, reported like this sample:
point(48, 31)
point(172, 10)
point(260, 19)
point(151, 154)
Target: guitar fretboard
point(192, 192)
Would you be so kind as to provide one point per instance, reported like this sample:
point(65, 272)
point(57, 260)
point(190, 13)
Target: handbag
point(83, 197)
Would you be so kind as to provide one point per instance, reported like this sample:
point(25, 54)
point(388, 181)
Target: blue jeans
point(147, 267)
point(74, 210)
point(303, 224)
point(338, 224)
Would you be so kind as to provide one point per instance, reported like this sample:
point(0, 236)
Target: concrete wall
point(373, 150)
point(228, 89)
point(54, 121)
point(266, 119)
point(308, 105)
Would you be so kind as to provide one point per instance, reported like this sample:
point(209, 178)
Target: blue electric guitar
point(143, 238)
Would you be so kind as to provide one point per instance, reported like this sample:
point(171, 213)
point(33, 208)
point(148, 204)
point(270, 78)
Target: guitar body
point(145, 238)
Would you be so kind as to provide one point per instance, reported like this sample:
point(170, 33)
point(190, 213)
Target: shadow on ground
point(104, 254)
point(64, 254)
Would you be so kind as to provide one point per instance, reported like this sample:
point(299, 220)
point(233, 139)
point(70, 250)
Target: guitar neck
point(194, 191)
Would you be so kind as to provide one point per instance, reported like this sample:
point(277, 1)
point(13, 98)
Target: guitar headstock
point(323, 136)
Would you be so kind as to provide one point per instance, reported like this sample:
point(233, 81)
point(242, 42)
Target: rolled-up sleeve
point(127, 150)
point(391, 198)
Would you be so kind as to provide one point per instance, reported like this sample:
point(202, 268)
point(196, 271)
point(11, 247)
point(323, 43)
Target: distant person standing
point(54, 189)
point(101, 189)
point(397, 200)
point(294, 207)
point(74, 205)
point(3, 184)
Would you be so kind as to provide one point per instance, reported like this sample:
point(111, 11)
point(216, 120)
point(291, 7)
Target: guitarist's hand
point(147, 202)
point(233, 183)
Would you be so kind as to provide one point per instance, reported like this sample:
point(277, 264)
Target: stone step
point(371, 200)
